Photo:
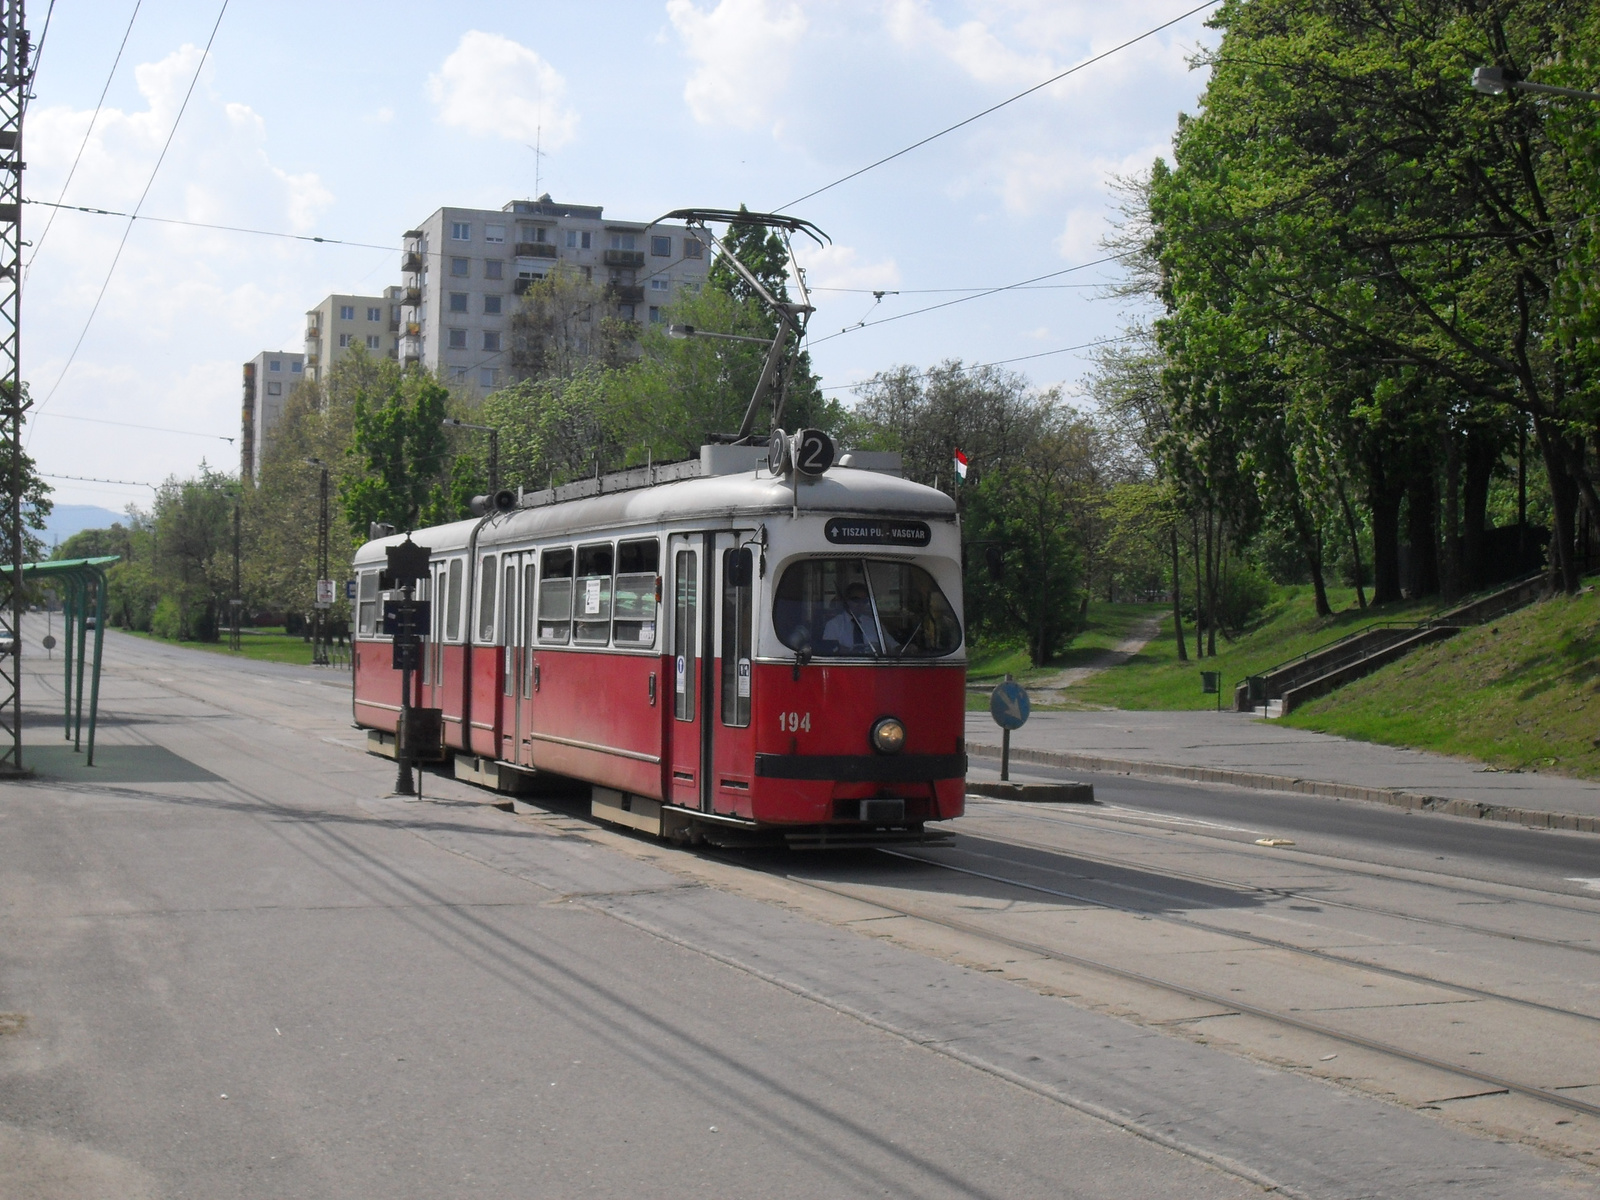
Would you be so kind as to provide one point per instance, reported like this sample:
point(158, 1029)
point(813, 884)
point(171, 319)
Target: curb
point(1534, 818)
point(1039, 793)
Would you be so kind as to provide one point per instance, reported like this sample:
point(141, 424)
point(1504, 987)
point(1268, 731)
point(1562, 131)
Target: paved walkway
point(1115, 657)
point(1236, 748)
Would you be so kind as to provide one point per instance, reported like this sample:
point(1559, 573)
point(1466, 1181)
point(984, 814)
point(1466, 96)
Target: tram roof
point(842, 490)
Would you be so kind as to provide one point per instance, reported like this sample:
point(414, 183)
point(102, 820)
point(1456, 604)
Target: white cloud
point(838, 267)
point(972, 46)
point(185, 305)
point(742, 49)
point(493, 85)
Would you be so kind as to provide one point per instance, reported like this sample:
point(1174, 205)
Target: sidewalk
point(1246, 751)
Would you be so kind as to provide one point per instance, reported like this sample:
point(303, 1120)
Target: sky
point(356, 121)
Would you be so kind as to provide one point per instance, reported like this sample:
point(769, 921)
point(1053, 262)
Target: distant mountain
point(68, 519)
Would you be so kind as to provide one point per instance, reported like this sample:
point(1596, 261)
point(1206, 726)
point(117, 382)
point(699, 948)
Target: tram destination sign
point(869, 531)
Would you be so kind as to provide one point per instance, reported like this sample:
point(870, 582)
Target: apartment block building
point(270, 378)
point(342, 322)
point(465, 269)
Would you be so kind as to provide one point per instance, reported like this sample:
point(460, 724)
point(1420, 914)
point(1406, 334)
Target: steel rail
point(1498, 1082)
point(1291, 893)
point(1258, 939)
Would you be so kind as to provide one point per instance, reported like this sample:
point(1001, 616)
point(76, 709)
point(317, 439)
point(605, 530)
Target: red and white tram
point(729, 652)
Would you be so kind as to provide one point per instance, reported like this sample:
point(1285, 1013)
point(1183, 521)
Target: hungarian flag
point(961, 465)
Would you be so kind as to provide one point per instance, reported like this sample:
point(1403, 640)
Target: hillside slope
point(1521, 694)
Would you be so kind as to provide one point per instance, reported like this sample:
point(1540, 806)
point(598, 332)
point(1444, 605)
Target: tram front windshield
point(864, 608)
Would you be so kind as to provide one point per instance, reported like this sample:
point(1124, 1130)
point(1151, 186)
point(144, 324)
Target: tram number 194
point(793, 722)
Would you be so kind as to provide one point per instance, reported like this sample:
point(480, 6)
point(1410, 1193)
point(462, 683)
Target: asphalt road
point(232, 965)
point(1357, 829)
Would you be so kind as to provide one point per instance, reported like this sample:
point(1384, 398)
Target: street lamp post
point(1497, 81)
point(494, 448)
point(236, 601)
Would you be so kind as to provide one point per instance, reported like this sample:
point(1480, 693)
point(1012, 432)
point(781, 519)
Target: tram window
point(591, 595)
point(634, 602)
point(864, 608)
point(683, 623)
point(367, 603)
point(452, 603)
point(737, 582)
point(486, 582)
point(555, 596)
point(508, 625)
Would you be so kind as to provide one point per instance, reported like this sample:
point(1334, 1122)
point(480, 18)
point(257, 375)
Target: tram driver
point(852, 629)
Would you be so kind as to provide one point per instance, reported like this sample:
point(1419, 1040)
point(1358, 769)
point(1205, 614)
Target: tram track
point(1495, 1081)
point(1257, 939)
point(1336, 864)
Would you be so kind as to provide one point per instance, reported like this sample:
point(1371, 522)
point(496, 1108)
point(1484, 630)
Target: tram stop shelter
point(82, 583)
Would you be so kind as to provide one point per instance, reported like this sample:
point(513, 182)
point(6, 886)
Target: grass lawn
point(1155, 679)
point(1108, 625)
point(259, 645)
point(1521, 694)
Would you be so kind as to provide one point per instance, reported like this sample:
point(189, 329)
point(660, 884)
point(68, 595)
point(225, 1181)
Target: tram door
point(521, 723)
point(732, 756)
point(432, 650)
point(510, 656)
point(688, 729)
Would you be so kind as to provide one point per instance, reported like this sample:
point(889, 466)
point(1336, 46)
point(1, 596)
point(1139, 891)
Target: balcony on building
point(535, 249)
point(412, 298)
point(624, 258)
point(411, 263)
point(410, 349)
point(313, 333)
point(624, 293)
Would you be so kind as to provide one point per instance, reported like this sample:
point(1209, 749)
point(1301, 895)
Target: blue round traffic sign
point(1009, 705)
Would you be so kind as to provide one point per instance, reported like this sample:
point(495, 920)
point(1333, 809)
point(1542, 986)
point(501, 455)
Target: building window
point(344, 340)
point(622, 241)
point(588, 272)
point(494, 233)
point(489, 376)
point(295, 367)
point(459, 374)
point(660, 283)
point(460, 231)
point(374, 314)
point(494, 269)
point(491, 339)
point(274, 388)
point(347, 312)
point(588, 241)
point(655, 315)
point(458, 339)
point(274, 365)
point(692, 248)
point(374, 342)
point(458, 302)
point(458, 267)
point(661, 247)
point(491, 305)
point(625, 311)
point(572, 239)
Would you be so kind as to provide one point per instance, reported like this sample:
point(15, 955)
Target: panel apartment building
point(342, 322)
point(465, 269)
point(270, 378)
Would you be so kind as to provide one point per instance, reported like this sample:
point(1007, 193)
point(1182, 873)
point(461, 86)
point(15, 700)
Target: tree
point(567, 324)
point(399, 449)
point(192, 554)
point(36, 502)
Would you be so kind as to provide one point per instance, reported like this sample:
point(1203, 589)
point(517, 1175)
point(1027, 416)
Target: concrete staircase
point(1290, 684)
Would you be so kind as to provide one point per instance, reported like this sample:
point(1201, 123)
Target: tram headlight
point(888, 735)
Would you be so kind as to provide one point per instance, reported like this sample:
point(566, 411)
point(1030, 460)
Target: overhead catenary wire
point(999, 362)
point(83, 145)
point(61, 416)
point(149, 183)
point(993, 108)
point(1010, 287)
point(275, 233)
point(92, 479)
